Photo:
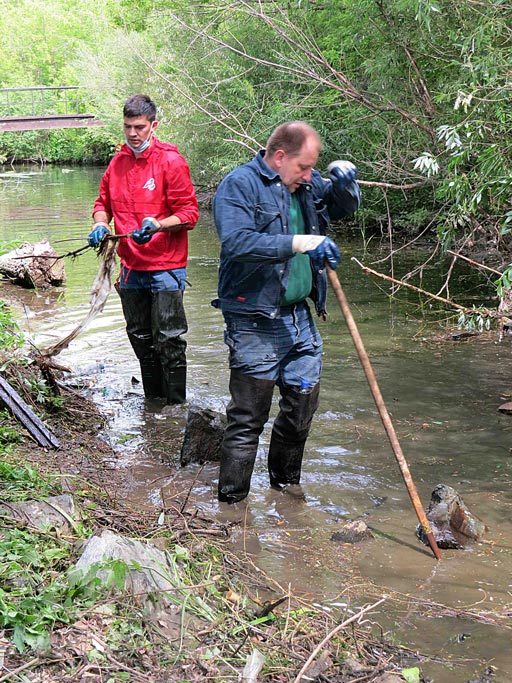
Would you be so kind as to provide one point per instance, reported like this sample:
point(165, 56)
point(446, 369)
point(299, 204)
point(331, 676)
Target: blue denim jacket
point(251, 210)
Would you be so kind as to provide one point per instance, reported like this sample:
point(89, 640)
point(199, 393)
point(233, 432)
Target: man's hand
point(146, 230)
point(319, 249)
point(342, 173)
point(95, 238)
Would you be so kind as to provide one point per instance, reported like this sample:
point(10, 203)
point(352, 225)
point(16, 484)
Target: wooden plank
point(26, 416)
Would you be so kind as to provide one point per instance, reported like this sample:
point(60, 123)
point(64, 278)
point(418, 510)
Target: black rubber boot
point(136, 305)
point(247, 413)
point(289, 434)
point(169, 324)
point(175, 385)
point(152, 377)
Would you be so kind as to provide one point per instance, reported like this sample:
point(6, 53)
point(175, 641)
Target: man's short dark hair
point(290, 137)
point(139, 105)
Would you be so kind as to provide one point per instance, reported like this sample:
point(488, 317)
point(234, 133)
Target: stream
point(442, 394)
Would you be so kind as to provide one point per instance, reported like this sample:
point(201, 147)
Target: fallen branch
point(55, 257)
point(19, 669)
point(340, 627)
point(166, 228)
point(26, 416)
point(474, 263)
point(484, 312)
point(395, 186)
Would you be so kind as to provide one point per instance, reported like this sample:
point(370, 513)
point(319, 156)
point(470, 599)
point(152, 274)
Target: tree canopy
point(417, 93)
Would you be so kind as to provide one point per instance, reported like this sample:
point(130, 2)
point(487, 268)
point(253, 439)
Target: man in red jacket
point(147, 190)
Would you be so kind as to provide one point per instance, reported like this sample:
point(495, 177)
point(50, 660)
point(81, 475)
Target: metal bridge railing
point(39, 101)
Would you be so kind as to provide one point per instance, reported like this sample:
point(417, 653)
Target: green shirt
point(300, 280)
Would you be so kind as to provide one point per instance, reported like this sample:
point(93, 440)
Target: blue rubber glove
point(342, 173)
point(95, 238)
point(146, 230)
point(319, 248)
point(325, 251)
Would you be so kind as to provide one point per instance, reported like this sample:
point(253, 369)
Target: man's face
point(138, 129)
point(295, 170)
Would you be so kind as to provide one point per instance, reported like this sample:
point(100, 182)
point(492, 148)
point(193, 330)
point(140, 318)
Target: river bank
point(245, 610)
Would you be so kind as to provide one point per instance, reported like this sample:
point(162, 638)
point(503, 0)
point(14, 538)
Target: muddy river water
point(443, 397)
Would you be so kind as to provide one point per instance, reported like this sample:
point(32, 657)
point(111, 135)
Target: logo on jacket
point(149, 184)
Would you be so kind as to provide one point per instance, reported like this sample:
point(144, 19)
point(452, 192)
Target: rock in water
point(33, 265)
point(453, 525)
point(352, 532)
point(506, 408)
point(203, 436)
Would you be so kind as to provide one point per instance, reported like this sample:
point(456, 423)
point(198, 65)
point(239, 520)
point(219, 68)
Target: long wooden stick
point(383, 412)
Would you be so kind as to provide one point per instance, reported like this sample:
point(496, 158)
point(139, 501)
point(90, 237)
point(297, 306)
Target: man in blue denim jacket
point(272, 215)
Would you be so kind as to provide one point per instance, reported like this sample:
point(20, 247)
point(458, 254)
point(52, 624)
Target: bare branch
point(484, 312)
point(306, 55)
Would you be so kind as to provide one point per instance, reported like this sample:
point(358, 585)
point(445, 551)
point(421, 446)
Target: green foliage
point(504, 282)
point(411, 675)
point(37, 593)
point(17, 481)
point(473, 322)
point(36, 590)
point(40, 37)
point(81, 146)
point(29, 607)
point(406, 90)
point(41, 392)
point(8, 434)
point(415, 93)
point(10, 335)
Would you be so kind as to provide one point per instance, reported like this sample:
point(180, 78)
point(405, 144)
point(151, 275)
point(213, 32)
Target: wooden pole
point(383, 412)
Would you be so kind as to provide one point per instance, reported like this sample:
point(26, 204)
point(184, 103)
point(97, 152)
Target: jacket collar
point(145, 154)
point(263, 168)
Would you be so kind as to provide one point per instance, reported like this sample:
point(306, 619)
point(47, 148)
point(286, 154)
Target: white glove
point(303, 243)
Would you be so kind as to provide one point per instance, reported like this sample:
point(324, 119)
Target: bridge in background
point(40, 108)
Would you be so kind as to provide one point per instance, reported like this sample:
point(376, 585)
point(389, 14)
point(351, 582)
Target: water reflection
point(443, 399)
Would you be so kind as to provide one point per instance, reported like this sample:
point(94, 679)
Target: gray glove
point(342, 173)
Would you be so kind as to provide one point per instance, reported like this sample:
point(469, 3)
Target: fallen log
point(33, 265)
point(26, 416)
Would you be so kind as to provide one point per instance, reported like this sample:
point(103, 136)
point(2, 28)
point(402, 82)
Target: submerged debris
point(99, 295)
point(506, 408)
point(203, 436)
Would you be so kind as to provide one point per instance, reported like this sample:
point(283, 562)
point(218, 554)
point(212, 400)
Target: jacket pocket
point(264, 214)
